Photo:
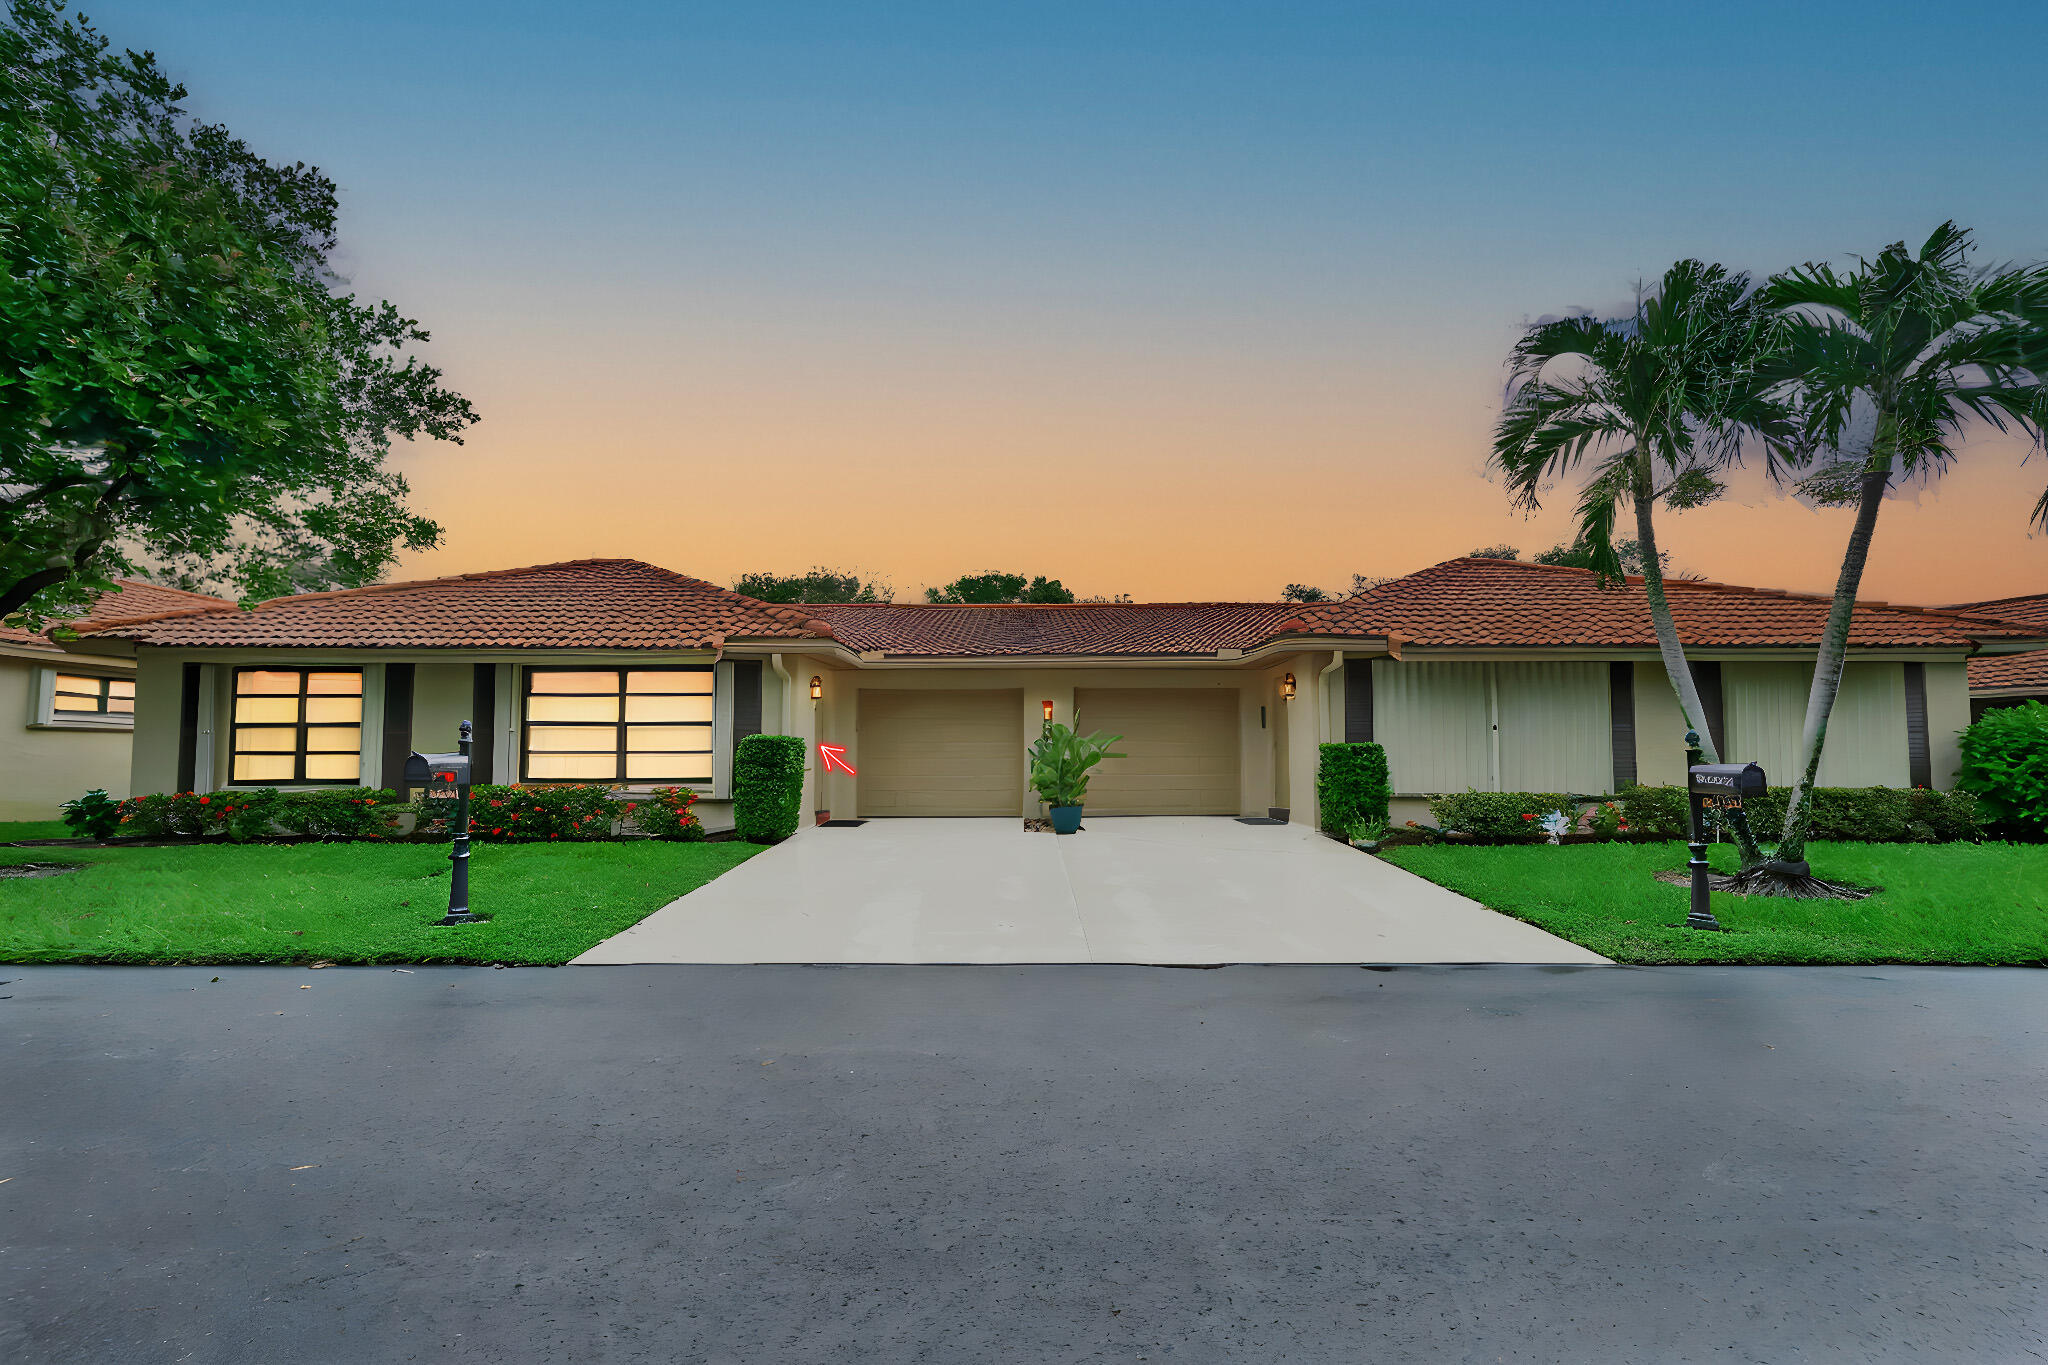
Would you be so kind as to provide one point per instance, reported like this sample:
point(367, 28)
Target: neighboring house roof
point(2012, 670)
point(626, 604)
point(1505, 603)
point(132, 598)
point(580, 604)
point(1086, 628)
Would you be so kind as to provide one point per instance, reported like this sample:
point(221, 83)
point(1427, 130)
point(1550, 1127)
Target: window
point(77, 695)
point(298, 725)
point(617, 725)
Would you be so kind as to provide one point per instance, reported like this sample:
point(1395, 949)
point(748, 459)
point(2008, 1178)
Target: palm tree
point(1659, 403)
point(1888, 363)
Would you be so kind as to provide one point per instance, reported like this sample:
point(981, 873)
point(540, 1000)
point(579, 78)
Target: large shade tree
point(1646, 410)
point(1890, 362)
point(184, 385)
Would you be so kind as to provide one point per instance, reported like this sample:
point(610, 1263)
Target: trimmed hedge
point(1352, 786)
point(573, 812)
point(1494, 817)
point(1872, 815)
point(2005, 764)
point(257, 813)
point(767, 787)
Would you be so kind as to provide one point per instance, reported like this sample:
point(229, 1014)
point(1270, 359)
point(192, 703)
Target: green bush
point(1868, 815)
point(1352, 786)
point(2005, 765)
point(94, 815)
point(1495, 817)
point(767, 787)
point(573, 811)
point(1658, 812)
point(242, 814)
point(665, 813)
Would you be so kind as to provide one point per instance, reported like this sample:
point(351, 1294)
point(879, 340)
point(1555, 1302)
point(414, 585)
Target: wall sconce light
point(817, 687)
point(1287, 687)
point(1047, 706)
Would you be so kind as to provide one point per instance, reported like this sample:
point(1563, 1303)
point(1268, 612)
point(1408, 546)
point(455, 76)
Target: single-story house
point(2010, 679)
point(1474, 673)
point(69, 718)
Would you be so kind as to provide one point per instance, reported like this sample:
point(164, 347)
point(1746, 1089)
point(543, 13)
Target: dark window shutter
point(397, 727)
point(1621, 711)
point(746, 700)
point(1919, 761)
point(483, 705)
point(1358, 701)
point(188, 728)
point(1707, 678)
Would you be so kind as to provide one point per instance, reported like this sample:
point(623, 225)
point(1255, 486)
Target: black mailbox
point(437, 770)
point(1739, 780)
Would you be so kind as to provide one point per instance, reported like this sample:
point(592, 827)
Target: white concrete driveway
point(1160, 889)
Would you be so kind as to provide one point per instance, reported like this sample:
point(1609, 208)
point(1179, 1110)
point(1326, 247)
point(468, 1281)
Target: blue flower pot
point(1065, 819)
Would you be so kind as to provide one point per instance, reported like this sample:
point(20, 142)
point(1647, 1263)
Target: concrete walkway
point(1155, 890)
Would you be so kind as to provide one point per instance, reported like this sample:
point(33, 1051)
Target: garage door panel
point(929, 753)
point(1180, 750)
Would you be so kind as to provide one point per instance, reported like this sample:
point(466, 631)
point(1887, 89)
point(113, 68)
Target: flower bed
point(578, 811)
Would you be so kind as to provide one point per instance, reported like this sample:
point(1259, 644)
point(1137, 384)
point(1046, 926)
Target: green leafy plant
point(1366, 831)
point(767, 787)
point(2005, 765)
point(1654, 812)
point(1868, 815)
point(665, 813)
point(338, 813)
point(1605, 820)
point(94, 815)
point(1061, 760)
point(1352, 785)
point(1498, 817)
point(497, 812)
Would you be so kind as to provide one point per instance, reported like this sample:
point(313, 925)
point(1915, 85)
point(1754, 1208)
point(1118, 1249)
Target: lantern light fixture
point(1287, 687)
point(817, 687)
point(1047, 705)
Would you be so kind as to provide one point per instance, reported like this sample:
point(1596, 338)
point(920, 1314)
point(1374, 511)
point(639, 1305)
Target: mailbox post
point(1717, 786)
point(445, 770)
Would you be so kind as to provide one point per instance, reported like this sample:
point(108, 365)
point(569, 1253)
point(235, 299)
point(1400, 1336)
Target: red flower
point(497, 831)
point(497, 803)
point(554, 836)
point(1528, 817)
point(204, 799)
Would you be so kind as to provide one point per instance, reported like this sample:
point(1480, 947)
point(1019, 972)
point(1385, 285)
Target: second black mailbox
point(1740, 780)
point(437, 770)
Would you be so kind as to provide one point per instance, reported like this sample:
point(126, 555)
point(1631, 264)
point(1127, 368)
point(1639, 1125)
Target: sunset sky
point(1186, 300)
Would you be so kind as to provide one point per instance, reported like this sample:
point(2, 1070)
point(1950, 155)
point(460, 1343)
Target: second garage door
point(941, 753)
point(1180, 746)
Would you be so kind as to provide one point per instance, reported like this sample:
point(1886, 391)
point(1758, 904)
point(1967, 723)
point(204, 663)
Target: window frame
point(46, 716)
point(619, 727)
point(301, 725)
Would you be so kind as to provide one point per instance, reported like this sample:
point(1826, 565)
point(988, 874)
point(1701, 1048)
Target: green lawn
point(10, 830)
point(340, 902)
point(1950, 903)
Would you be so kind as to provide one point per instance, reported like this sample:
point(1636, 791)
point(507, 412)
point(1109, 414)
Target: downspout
point(1323, 720)
point(788, 695)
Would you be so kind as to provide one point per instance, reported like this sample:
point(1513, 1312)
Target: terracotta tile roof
point(1143, 628)
point(585, 603)
point(1499, 602)
point(2011, 670)
point(132, 598)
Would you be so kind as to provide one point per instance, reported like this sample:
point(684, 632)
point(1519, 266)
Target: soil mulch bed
point(1719, 882)
point(40, 869)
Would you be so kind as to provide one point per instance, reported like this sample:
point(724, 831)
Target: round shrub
point(2005, 764)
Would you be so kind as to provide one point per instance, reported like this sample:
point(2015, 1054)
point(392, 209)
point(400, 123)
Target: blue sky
point(941, 268)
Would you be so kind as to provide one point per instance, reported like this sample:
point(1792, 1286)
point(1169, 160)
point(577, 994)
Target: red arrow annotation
point(835, 753)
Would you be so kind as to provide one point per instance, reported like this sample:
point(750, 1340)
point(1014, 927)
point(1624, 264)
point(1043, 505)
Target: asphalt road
point(1004, 1164)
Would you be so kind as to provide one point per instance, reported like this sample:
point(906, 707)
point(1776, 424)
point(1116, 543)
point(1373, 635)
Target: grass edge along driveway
point(1957, 904)
point(343, 903)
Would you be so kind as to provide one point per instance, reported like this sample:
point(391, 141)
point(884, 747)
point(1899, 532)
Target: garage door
point(941, 753)
point(1180, 747)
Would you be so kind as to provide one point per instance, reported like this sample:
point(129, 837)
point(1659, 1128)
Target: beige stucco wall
point(1948, 715)
point(40, 769)
point(1660, 728)
point(1866, 741)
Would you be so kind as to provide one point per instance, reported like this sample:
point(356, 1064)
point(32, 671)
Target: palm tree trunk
point(1827, 667)
point(1675, 666)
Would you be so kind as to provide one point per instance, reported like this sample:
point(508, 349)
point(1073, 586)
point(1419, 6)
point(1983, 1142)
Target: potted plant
point(1060, 762)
